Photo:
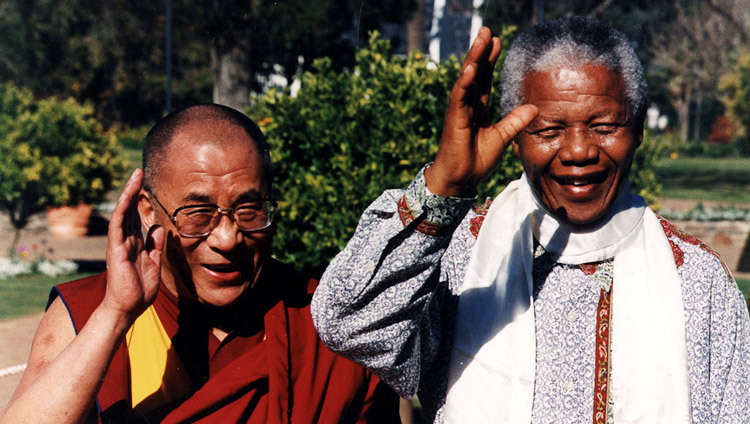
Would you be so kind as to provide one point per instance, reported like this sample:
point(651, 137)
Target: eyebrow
point(199, 198)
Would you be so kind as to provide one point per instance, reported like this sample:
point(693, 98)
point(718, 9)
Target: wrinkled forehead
point(209, 148)
point(574, 81)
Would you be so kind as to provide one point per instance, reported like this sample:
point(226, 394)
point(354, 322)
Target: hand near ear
point(133, 263)
point(471, 144)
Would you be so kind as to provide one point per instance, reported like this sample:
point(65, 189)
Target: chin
point(220, 297)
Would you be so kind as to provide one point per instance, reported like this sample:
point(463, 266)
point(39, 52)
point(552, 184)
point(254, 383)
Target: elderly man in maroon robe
point(193, 321)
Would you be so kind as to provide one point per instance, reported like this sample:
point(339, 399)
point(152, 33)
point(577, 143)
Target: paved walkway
point(15, 341)
point(16, 335)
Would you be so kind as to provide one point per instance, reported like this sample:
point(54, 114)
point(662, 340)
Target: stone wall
point(729, 238)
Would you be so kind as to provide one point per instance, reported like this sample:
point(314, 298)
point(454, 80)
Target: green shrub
point(348, 135)
point(642, 176)
point(132, 138)
point(52, 153)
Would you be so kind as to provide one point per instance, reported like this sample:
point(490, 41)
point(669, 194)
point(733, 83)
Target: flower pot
point(69, 221)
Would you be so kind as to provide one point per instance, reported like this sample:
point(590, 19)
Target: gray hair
point(572, 42)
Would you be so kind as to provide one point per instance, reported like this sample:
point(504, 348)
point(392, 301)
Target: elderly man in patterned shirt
point(564, 300)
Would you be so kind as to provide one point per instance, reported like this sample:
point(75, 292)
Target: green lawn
point(28, 294)
point(744, 284)
point(725, 179)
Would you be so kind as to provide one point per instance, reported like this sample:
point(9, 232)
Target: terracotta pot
point(69, 221)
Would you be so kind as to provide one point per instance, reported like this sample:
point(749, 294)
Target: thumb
point(149, 260)
point(155, 244)
point(518, 119)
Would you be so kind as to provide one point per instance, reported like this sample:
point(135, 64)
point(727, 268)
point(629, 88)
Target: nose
point(579, 147)
point(225, 235)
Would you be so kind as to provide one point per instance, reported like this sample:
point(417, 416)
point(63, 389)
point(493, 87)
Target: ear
point(146, 209)
point(638, 132)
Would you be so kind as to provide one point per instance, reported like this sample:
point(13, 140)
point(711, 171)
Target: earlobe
point(146, 209)
point(515, 147)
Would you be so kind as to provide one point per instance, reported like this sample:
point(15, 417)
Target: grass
point(28, 294)
point(725, 179)
point(744, 284)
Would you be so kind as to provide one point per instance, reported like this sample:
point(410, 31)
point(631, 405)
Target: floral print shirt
point(388, 301)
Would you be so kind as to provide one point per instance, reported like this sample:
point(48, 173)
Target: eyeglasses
point(200, 220)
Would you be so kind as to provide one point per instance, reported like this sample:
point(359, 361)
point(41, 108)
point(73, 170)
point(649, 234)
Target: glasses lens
point(195, 220)
point(253, 216)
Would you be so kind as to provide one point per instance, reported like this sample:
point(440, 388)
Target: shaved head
point(160, 137)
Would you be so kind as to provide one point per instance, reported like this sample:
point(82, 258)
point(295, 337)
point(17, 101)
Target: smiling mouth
point(223, 268)
point(583, 180)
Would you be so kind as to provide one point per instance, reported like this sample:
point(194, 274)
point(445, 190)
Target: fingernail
point(467, 69)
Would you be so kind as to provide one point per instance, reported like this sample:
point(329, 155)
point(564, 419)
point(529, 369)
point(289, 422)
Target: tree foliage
point(112, 54)
point(52, 153)
point(736, 89)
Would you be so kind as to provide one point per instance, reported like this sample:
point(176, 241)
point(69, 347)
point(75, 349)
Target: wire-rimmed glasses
point(199, 220)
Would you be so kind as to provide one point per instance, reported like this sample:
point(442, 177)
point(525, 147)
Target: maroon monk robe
point(275, 372)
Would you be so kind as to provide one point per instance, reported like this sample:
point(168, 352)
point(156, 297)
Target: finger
point(115, 231)
point(155, 243)
point(149, 262)
point(478, 47)
point(484, 78)
point(518, 119)
point(457, 117)
point(497, 47)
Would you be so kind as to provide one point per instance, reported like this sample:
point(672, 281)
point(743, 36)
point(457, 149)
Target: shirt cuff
point(437, 213)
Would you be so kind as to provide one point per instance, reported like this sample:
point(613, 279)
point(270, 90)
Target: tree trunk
point(697, 118)
point(231, 73)
point(682, 106)
point(415, 30)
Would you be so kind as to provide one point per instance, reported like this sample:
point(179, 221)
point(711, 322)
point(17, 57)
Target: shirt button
point(568, 386)
point(370, 267)
point(571, 316)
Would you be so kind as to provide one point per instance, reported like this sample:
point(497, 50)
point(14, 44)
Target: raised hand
point(471, 144)
point(133, 264)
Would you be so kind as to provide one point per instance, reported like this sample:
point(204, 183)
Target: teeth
point(220, 267)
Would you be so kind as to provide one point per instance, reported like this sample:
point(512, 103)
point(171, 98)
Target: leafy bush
point(132, 138)
point(52, 153)
point(642, 176)
point(722, 131)
point(348, 135)
point(736, 89)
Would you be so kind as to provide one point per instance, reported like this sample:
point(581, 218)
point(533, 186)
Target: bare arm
point(65, 370)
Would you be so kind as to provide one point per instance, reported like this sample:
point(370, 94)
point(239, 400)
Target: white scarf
point(492, 368)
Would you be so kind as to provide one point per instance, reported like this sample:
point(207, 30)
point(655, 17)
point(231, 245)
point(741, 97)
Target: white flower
point(55, 268)
point(11, 268)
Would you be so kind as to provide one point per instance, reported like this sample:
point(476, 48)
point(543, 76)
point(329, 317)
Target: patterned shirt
point(388, 301)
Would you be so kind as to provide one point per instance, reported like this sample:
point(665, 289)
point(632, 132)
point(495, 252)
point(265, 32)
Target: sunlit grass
point(28, 294)
point(725, 179)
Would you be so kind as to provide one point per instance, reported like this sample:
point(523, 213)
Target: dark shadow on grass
point(90, 266)
point(97, 225)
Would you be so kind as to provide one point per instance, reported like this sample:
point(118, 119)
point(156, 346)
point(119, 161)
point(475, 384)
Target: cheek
point(620, 152)
point(535, 156)
point(180, 249)
point(260, 242)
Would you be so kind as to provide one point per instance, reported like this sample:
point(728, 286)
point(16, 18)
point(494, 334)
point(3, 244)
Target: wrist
point(437, 184)
point(112, 319)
